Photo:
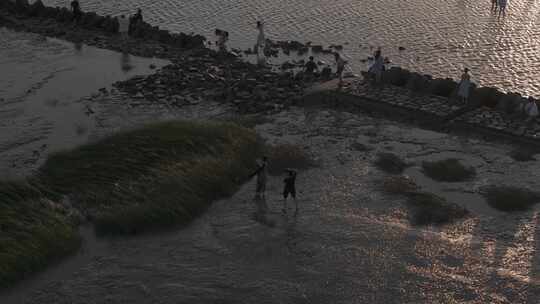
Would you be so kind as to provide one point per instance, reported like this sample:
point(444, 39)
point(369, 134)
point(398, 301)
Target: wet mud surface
point(439, 37)
point(349, 243)
point(46, 94)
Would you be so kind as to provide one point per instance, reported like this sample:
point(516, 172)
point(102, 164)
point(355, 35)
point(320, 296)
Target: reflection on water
point(440, 37)
point(42, 83)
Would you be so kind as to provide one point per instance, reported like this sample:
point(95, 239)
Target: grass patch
point(507, 198)
point(399, 185)
point(163, 174)
point(428, 208)
point(281, 157)
point(390, 163)
point(31, 233)
point(448, 170)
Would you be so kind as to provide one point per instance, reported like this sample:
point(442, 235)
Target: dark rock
point(396, 76)
point(401, 48)
point(443, 87)
point(316, 48)
point(486, 96)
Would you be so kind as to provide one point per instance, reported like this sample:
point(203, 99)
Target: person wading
point(262, 174)
point(290, 189)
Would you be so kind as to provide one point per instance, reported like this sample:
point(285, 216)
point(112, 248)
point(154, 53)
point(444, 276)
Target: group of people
point(500, 6)
point(289, 184)
point(126, 26)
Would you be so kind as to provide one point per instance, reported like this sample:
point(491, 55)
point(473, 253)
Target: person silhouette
point(464, 86)
point(260, 45)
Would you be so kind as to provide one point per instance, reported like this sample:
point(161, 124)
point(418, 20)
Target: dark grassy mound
point(428, 208)
point(507, 198)
point(285, 156)
point(448, 170)
point(390, 163)
point(31, 233)
point(159, 175)
point(399, 185)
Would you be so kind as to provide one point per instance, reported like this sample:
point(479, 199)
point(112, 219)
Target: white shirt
point(531, 109)
point(123, 25)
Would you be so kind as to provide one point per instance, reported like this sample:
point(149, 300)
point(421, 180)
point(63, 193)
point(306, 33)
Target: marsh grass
point(399, 185)
point(425, 208)
point(428, 208)
point(390, 163)
point(160, 175)
point(509, 199)
point(31, 234)
point(448, 170)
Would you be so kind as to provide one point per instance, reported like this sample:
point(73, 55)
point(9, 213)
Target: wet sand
point(46, 90)
point(350, 243)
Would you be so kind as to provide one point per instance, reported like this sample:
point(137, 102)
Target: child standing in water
point(290, 188)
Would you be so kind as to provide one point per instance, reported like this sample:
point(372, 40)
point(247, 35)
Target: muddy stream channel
point(349, 243)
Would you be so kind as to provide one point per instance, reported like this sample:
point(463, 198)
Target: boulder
point(485, 96)
point(418, 82)
point(396, 76)
point(443, 87)
point(509, 102)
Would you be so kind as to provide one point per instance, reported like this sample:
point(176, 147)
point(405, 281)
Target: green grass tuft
point(160, 175)
point(429, 208)
point(31, 233)
point(390, 163)
point(399, 185)
point(448, 170)
point(507, 198)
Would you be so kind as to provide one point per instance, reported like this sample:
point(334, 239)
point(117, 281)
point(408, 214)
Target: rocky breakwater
point(93, 29)
point(488, 107)
point(208, 75)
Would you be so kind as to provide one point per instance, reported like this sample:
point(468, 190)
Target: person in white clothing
point(123, 30)
point(502, 7)
point(464, 86)
point(528, 109)
point(261, 44)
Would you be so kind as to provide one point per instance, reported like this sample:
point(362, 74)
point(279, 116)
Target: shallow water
point(440, 37)
point(350, 243)
point(42, 85)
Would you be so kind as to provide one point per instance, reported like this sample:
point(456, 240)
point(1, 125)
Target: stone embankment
point(421, 98)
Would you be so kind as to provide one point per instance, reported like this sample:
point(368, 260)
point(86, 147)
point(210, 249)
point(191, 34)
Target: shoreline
point(198, 73)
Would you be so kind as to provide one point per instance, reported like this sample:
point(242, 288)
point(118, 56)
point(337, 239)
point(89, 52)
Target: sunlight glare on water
point(440, 37)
